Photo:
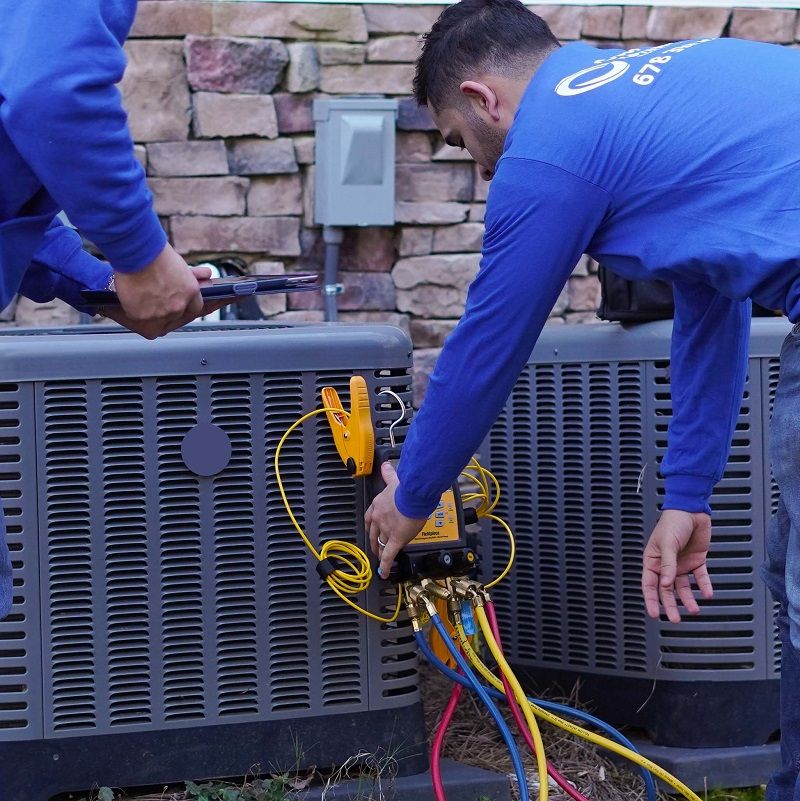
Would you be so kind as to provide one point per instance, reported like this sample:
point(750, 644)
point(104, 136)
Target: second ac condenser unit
point(168, 622)
point(577, 450)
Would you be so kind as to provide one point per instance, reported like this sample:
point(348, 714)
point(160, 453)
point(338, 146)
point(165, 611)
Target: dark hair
point(498, 35)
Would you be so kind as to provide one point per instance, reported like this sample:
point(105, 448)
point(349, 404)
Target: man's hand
point(161, 297)
point(385, 523)
point(677, 547)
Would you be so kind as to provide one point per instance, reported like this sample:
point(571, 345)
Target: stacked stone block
point(219, 97)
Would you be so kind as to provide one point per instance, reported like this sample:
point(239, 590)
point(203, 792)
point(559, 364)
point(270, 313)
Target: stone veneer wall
point(219, 97)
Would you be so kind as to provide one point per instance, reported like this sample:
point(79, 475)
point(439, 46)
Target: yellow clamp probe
point(343, 565)
point(352, 432)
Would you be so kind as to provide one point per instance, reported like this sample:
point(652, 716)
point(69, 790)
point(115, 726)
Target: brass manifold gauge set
point(438, 583)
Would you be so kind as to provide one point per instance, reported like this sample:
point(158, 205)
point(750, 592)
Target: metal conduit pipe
point(332, 236)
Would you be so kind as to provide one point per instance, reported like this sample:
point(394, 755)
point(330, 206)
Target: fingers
point(666, 580)
point(686, 595)
point(368, 529)
point(650, 592)
point(389, 474)
point(388, 555)
point(666, 587)
point(384, 547)
point(704, 582)
point(195, 307)
point(658, 591)
point(666, 593)
point(374, 534)
point(201, 272)
point(209, 307)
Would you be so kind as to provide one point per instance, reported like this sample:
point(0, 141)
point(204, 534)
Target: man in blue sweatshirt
point(65, 144)
point(679, 162)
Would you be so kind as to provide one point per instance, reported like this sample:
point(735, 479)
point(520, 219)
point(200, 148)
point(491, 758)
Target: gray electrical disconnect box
point(354, 182)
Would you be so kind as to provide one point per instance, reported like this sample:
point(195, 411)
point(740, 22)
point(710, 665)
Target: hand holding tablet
point(230, 289)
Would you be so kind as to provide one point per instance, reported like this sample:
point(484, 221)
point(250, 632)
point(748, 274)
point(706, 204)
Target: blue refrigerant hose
point(471, 681)
point(551, 706)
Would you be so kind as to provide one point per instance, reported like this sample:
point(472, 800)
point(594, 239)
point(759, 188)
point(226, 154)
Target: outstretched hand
point(389, 530)
point(677, 547)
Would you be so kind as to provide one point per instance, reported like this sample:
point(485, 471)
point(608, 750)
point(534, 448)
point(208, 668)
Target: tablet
point(226, 288)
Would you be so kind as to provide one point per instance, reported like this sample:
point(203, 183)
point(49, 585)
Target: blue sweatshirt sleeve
point(710, 339)
point(59, 63)
point(61, 268)
point(540, 220)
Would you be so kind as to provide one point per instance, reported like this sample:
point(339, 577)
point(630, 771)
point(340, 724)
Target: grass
point(257, 790)
point(369, 776)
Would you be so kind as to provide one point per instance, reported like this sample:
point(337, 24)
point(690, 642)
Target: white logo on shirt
point(603, 74)
point(609, 69)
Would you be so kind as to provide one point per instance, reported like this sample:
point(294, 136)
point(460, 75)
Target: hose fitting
point(453, 603)
point(434, 588)
point(417, 595)
point(471, 590)
point(414, 594)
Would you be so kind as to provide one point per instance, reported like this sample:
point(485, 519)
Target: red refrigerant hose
point(438, 741)
point(520, 720)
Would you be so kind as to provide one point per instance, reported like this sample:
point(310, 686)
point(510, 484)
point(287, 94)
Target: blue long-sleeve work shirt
point(680, 162)
point(65, 144)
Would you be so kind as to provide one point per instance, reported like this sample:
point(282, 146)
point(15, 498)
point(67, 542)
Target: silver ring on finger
point(381, 542)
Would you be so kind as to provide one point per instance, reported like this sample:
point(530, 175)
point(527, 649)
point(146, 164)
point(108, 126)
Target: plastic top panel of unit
point(614, 342)
point(88, 351)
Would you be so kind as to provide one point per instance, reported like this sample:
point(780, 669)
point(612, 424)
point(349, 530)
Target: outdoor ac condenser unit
point(577, 450)
point(168, 623)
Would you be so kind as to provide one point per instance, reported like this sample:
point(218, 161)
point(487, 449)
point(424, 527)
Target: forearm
point(708, 369)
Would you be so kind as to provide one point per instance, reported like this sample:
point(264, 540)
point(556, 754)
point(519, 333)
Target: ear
point(483, 99)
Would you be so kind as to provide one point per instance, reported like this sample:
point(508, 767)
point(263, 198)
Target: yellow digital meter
point(440, 549)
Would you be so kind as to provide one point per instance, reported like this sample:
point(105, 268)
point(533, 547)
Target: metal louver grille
point(341, 630)
point(393, 641)
point(631, 522)
point(287, 569)
point(68, 514)
point(126, 557)
point(567, 447)
point(724, 636)
point(20, 641)
point(182, 578)
point(235, 585)
point(769, 379)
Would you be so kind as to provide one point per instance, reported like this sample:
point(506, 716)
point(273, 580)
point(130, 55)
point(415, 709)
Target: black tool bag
point(624, 301)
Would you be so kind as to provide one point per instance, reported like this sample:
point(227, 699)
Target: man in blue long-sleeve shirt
point(679, 162)
point(65, 144)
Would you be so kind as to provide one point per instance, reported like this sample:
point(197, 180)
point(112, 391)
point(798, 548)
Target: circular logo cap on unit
point(206, 449)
